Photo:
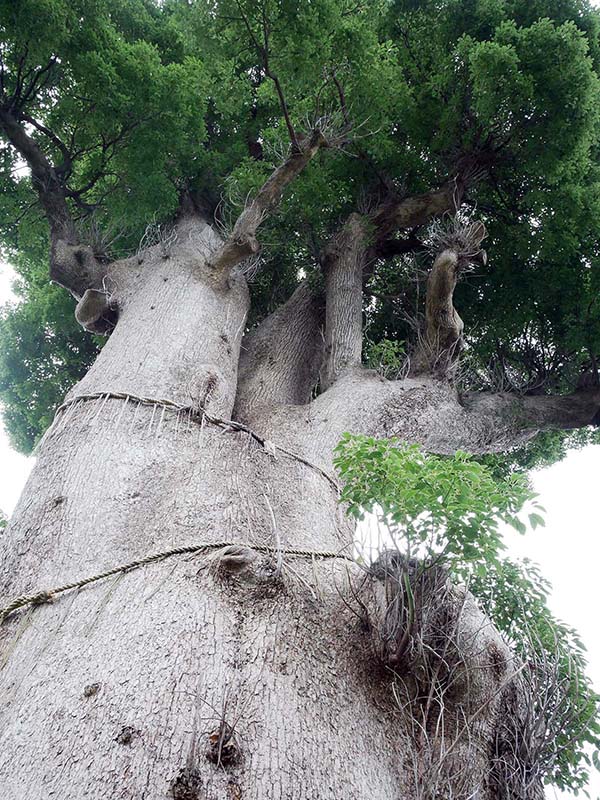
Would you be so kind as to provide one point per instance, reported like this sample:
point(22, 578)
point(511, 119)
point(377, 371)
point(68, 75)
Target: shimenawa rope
point(46, 596)
point(197, 414)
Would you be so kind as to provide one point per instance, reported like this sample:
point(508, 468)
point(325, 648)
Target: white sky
point(567, 550)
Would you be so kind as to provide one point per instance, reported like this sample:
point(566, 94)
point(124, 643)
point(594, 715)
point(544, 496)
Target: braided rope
point(197, 415)
point(47, 595)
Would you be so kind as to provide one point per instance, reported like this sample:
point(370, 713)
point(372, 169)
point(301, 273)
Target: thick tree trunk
point(190, 678)
point(115, 691)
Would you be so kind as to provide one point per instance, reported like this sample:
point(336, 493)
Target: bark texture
point(280, 358)
point(121, 689)
point(343, 265)
point(270, 666)
point(440, 341)
point(241, 675)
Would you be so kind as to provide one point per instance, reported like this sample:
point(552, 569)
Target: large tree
point(257, 202)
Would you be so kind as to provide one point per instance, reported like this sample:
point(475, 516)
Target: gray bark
point(178, 334)
point(183, 679)
point(280, 358)
point(115, 691)
point(439, 343)
point(343, 264)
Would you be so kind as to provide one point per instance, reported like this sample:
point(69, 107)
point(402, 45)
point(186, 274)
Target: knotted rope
point(198, 415)
point(47, 595)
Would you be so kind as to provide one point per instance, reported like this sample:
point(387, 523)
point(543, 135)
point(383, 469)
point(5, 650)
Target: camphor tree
point(240, 195)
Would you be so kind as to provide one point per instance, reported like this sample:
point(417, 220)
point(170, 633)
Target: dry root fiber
point(455, 680)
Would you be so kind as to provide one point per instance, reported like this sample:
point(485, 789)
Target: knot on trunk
point(96, 311)
point(75, 267)
point(223, 749)
point(234, 559)
point(188, 785)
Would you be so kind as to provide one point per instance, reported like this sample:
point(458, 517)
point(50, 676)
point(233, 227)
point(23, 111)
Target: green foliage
point(157, 98)
point(43, 352)
point(547, 448)
point(436, 506)
point(387, 357)
point(515, 595)
point(449, 510)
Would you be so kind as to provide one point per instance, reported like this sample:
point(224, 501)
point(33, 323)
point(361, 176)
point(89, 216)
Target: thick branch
point(529, 414)
point(416, 210)
point(71, 264)
point(65, 168)
point(243, 243)
point(440, 342)
point(43, 176)
point(343, 265)
point(429, 412)
point(279, 362)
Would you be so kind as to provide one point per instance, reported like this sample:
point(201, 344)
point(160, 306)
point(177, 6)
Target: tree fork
point(280, 358)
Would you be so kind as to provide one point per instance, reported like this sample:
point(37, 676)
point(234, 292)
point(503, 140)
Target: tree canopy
point(492, 105)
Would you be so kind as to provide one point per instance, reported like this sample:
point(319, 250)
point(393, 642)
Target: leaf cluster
point(439, 507)
point(153, 99)
point(450, 511)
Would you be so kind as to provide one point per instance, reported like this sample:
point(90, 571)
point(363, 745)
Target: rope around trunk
point(47, 595)
point(198, 414)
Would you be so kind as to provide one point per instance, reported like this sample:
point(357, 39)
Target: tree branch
point(439, 345)
point(65, 168)
point(108, 150)
point(531, 413)
point(243, 243)
point(430, 412)
point(43, 175)
point(71, 264)
point(343, 264)
point(459, 245)
point(279, 362)
point(22, 96)
point(390, 248)
point(416, 210)
point(263, 53)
